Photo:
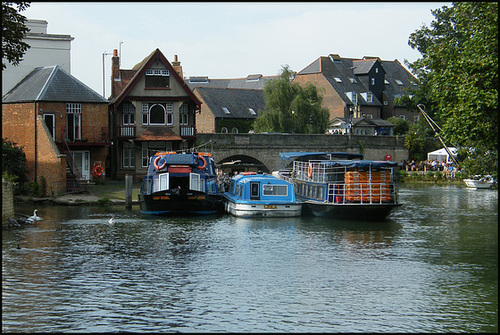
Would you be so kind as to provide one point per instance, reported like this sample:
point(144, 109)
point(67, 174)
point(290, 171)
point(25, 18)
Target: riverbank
point(112, 192)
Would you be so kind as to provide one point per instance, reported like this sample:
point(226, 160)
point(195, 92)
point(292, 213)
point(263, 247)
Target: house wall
point(46, 50)
point(205, 120)
point(331, 100)
point(50, 163)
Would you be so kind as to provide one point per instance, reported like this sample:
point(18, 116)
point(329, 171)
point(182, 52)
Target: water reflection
point(431, 267)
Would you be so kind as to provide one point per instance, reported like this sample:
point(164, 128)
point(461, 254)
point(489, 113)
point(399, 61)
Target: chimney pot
point(115, 53)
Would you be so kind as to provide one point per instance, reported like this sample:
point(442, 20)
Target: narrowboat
point(181, 183)
point(341, 185)
point(260, 195)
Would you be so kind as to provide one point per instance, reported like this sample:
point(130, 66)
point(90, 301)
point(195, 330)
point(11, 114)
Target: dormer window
point(353, 96)
point(157, 78)
point(386, 82)
point(353, 81)
point(399, 82)
point(225, 110)
point(368, 96)
point(252, 111)
point(337, 79)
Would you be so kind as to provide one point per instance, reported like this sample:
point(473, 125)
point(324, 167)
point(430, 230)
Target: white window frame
point(402, 117)
point(145, 155)
point(184, 114)
point(74, 110)
point(224, 130)
point(128, 155)
point(196, 183)
point(274, 190)
point(168, 110)
point(128, 114)
point(372, 81)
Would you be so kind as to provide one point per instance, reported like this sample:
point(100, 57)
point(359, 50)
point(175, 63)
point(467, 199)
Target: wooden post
point(128, 191)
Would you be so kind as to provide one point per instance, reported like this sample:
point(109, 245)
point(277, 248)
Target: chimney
point(177, 66)
point(115, 71)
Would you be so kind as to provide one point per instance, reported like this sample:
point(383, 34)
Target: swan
point(112, 220)
point(33, 218)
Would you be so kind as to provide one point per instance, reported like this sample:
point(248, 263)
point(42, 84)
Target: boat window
point(254, 190)
point(163, 184)
point(275, 190)
point(146, 185)
point(196, 183)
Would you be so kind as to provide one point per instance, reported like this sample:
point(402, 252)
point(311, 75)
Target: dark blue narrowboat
point(181, 184)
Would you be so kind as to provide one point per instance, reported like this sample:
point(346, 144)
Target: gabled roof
point(340, 71)
point(236, 102)
point(138, 71)
point(51, 83)
point(358, 121)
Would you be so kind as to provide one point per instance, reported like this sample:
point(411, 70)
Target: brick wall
point(205, 121)
point(7, 201)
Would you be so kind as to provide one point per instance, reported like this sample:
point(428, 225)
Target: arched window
point(234, 130)
point(223, 130)
point(157, 114)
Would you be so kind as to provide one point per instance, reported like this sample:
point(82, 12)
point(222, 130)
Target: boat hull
point(263, 210)
point(471, 183)
point(356, 211)
point(189, 204)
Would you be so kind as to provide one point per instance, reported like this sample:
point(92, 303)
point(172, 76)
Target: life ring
point(155, 163)
point(310, 170)
point(248, 173)
point(204, 163)
point(97, 170)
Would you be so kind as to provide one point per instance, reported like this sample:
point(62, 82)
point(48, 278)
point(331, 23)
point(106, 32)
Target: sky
point(230, 40)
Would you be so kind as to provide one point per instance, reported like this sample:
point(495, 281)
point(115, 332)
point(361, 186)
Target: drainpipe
point(36, 146)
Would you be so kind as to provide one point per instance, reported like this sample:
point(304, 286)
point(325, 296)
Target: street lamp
point(293, 122)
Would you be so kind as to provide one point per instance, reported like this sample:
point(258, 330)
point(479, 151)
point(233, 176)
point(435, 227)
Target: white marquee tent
point(441, 155)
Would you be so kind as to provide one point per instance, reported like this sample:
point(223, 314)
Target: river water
point(431, 267)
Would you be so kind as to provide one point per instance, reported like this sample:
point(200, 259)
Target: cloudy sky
point(231, 40)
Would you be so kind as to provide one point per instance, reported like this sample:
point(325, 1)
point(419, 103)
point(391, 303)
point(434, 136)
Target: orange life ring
point(204, 163)
point(310, 170)
point(247, 173)
point(155, 163)
point(97, 170)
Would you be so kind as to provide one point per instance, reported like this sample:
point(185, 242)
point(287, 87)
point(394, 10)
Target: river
point(432, 266)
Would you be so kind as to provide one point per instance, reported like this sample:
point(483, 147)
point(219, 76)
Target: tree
point(291, 108)
point(400, 126)
point(459, 72)
point(419, 140)
point(13, 162)
point(13, 32)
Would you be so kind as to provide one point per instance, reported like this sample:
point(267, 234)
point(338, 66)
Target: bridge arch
point(243, 160)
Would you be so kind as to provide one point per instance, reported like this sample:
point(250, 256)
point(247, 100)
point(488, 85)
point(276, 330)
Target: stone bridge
point(260, 152)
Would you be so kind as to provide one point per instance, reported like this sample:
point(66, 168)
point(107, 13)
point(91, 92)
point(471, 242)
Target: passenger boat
point(341, 185)
point(479, 182)
point(252, 195)
point(181, 183)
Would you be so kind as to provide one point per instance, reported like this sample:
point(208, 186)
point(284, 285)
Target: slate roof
point(51, 83)
point(347, 68)
point(237, 101)
point(252, 82)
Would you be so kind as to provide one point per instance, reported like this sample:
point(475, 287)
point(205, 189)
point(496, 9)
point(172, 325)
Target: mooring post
point(128, 191)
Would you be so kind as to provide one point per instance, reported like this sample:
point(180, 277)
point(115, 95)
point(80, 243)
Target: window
point(353, 81)
point(234, 130)
point(196, 183)
point(225, 110)
point(252, 111)
point(128, 155)
point(369, 116)
point(128, 111)
point(353, 96)
point(163, 182)
point(368, 96)
point(399, 82)
point(157, 114)
point(386, 82)
point(402, 117)
point(224, 130)
point(337, 79)
point(184, 114)
point(157, 78)
point(74, 121)
point(373, 81)
point(275, 190)
point(254, 190)
point(145, 155)
point(416, 118)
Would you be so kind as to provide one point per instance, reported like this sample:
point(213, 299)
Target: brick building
point(360, 88)
point(61, 124)
point(151, 110)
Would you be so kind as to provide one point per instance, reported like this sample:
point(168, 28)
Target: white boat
point(258, 195)
point(480, 182)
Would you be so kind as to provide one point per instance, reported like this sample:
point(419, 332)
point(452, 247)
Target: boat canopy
point(359, 164)
point(287, 157)
point(179, 159)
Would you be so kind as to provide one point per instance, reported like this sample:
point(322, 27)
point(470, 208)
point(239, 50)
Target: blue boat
point(341, 185)
point(181, 183)
point(259, 195)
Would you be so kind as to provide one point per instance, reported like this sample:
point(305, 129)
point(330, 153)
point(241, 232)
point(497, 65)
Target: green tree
point(458, 72)
point(13, 32)
point(291, 108)
point(419, 140)
point(14, 162)
point(400, 126)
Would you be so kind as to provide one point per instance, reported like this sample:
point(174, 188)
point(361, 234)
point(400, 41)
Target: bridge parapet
point(266, 147)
